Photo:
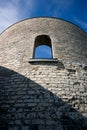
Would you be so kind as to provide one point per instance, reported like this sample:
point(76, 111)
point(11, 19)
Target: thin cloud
point(61, 7)
point(81, 23)
point(12, 11)
point(8, 15)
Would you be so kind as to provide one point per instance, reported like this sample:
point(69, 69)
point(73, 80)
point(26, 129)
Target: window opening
point(42, 47)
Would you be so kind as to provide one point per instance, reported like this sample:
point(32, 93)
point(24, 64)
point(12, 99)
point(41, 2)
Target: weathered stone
point(46, 94)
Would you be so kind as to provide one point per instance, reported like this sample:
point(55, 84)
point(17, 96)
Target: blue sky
point(12, 11)
point(43, 51)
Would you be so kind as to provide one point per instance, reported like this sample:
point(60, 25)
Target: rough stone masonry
point(43, 94)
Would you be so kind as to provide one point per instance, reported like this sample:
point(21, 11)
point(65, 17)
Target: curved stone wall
point(44, 94)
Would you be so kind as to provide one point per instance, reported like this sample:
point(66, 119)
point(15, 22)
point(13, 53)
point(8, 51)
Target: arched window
point(42, 47)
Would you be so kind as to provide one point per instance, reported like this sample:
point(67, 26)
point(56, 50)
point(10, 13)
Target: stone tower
point(43, 94)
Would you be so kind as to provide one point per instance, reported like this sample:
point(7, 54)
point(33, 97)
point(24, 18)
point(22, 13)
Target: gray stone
point(48, 93)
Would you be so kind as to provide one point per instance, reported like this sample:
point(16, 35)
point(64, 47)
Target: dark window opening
point(42, 47)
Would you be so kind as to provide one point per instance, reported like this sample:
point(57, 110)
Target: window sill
point(43, 60)
point(54, 62)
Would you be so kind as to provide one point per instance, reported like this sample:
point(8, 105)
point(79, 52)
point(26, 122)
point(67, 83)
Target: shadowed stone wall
point(43, 95)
